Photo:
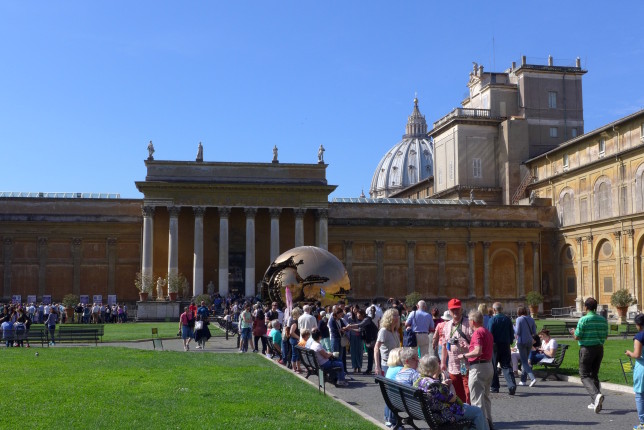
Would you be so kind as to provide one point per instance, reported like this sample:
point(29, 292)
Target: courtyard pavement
point(551, 404)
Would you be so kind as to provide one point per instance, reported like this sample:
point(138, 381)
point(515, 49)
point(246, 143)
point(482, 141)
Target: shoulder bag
point(409, 336)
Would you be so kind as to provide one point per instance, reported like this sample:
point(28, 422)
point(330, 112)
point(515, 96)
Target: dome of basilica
point(409, 161)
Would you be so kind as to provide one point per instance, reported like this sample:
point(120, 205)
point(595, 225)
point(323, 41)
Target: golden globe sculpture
point(310, 273)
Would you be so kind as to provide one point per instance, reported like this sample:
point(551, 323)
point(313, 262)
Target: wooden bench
point(414, 404)
point(34, 334)
point(551, 368)
point(75, 334)
point(310, 362)
point(560, 330)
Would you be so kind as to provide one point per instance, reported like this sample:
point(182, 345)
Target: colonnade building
point(502, 196)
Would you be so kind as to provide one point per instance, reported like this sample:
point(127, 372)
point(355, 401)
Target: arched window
point(603, 205)
point(566, 207)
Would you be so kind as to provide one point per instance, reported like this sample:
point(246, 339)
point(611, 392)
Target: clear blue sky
point(86, 84)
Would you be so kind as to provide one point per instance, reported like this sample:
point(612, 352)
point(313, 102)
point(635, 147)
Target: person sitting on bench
point(547, 350)
point(326, 360)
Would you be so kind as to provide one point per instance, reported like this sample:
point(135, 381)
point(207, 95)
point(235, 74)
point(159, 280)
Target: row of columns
point(224, 214)
point(442, 274)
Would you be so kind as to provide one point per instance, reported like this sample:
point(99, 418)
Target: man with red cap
point(456, 341)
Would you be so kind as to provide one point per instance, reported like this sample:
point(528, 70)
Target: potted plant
point(143, 283)
point(70, 301)
point(621, 299)
point(534, 299)
point(174, 282)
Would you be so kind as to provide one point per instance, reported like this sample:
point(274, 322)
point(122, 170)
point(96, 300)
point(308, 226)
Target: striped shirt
point(591, 330)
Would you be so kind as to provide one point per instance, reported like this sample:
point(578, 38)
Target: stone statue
point(185, 287)
point(160, 284)
point(211, 288)
point(471, 195)
point(533, 197)
point(200, 153)
point(275, 154)
point(321, 155)
point(150, 151)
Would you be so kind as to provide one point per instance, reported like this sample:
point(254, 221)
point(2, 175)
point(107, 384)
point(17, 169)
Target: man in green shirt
point(591, 333)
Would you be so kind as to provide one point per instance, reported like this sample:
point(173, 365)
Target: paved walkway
point(551, 405)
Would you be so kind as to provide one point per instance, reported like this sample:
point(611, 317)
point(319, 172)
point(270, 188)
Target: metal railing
point(464, 113)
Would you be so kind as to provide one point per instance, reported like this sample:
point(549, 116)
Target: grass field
point(131, 389)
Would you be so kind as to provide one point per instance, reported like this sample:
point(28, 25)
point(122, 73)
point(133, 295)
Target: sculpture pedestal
point(157, 311)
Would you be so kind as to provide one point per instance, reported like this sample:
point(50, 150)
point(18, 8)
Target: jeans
point(475, 414)
point(295, 354)
point(286, 353)
point(336, 365)
point(369, 359)
point(502, 354)
point(639, 402)
point(524, 352)
point(535, 357)
point(256, 339)
point(336, 345)
point(390, 417)
point(245, 337)
point(590, 358)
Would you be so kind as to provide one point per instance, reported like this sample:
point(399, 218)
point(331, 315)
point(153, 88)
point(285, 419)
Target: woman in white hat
point(438, 334)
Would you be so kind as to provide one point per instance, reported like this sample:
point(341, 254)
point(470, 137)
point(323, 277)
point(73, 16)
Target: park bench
point(310, 362)
point(272, 349)
point(76, 333)
point(551, 368)
point(35, 335)
point(631, 330)
point(414, 404)
point(560, 330)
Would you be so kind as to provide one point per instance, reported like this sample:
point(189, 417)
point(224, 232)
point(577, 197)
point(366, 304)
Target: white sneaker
point(341, 384)
point(521, 383)
point(598, 403)
point(591, 406)
point(533, 383)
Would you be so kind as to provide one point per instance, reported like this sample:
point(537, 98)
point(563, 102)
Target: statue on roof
point(275, 154)
point(321, 155)
point(200, 153)
point(150, 151)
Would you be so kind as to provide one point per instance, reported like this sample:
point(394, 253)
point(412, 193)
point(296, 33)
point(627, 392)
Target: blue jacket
point(501, 328)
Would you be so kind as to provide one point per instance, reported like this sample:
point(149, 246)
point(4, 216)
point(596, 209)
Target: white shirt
point(378, 315)
point(306, 322)
point(315, 346)
point(550, 346)
point(280, 316)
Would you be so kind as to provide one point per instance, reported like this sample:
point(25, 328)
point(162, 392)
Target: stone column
point(471, 249)
point(580, 277)
point(42, 265)
point(322, 216)
point(591, 267)
point(536, 283)
point(197, 257)
point(173, 240)
point(77, 253)
point(250, 251)
point(486, 270)
point(618, 261)
point(411, 266)
point(631, 261)
point(380, 269)
point(521, 278)
point(299, 226)
point(348, 257)
point(275, 232)
point(7, 252)
point(442, 278)
point(224, 213)
point(148, 250)
point(111, 265)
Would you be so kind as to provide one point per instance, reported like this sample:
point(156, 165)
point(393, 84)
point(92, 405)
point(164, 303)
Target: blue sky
point(86, 84)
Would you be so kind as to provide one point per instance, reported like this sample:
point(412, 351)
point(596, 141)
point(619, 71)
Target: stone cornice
point(446, 223)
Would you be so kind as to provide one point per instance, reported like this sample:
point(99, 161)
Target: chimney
point(480, 70)
point(514, 65)
point(550, 60)
point(523, 60)
point(578, 63)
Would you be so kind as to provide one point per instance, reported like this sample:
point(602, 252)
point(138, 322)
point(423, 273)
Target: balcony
point(464, 113)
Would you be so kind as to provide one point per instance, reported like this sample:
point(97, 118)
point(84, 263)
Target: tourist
point(408, 374)
point(286, 346)
point(294, 338)
point(486, 317)
point(259, 330)
point(503, 333)
point(439, 335)
point(369, 334)
point(446, 407)
point(525, 329)
point(590, 334)
point(305, 335)
point(306, 320)
point(276, 336)
point(356, 343)
point(387, 340)
point(336, 330)
point(50, 323)
point(7, 331)
point(456, 335)
point(422, 324)
point(185, 328)
point(326, 360)
point(272, 314)
point(548, 348)
point(394, 365)
point(479, 359)
point(203, 311)
point(378, 313)
point(202, 332)
point(325, 335)
point(638, 369)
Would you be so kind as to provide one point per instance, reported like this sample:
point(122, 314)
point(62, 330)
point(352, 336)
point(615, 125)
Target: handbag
point(409, 337)
point(344, 340)
point(198, 325)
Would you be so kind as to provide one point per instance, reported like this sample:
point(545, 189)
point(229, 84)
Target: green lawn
point(125, 388)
